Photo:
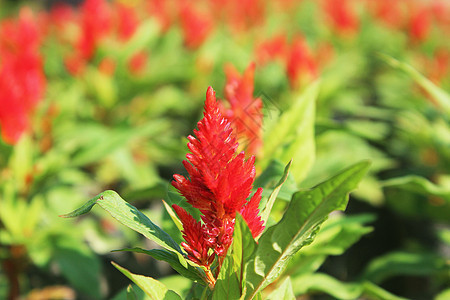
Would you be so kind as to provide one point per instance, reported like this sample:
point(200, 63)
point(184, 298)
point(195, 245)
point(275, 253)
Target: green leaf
point(268, 208)
point(399, 263)
point(230, 281)
point(375, 292)
point(336, 235)
point(327, 284)
point(419, 185)
point(284, 291)
point(441, 97)
point(301, 221)
point(173, 216)
point(131, 295)
point(79, 266)
point(227, 284)
point(131, 217)
point(171, 258)
point(292, 137)
point(153, 288)
point(270, 177)
point(445, 294)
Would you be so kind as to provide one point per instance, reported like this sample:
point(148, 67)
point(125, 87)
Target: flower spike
point(220, 181)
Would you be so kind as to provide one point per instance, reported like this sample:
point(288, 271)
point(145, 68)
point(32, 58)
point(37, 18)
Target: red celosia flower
point(388, 11)
point(195, 25)
point(301, 66)
point(162, 11)
point(244, 112)
point(341, 16)
point(137, 62)
point(22, 80)
point(127, 21)
point(220, 181)
point(419, 22)
point(95, 23)
point(271, 49)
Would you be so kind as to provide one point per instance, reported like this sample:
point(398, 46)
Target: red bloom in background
point(220, 181)
point(137, 62)
point(419, 22)
point(300, 66)
point(162, 11)
point(341, 16)
point(127, 21)
point(22, 80)
point(95, 24)
point(196, 26)
point(244, 112)
point(271, 49)
point(388, 11)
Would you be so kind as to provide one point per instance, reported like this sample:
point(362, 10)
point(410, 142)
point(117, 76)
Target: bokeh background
point(98, 95)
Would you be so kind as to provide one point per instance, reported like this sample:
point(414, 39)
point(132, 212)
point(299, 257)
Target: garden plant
point(316, 163)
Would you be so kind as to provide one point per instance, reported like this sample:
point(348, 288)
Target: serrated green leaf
point(171, 258)
point(268, 208)
point(293, 135)
point(153, 288)
point(284, 291)
point(131, 217)
point(301, 221)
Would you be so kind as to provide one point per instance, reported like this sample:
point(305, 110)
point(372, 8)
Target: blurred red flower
point(419, 22)
point(244, 112)
point(301, 66)
point(22, 79)
point(196, 25)
point(341, 16)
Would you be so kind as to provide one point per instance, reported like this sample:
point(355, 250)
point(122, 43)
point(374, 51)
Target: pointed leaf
point(153, 288)
point(131, 295)
point(131, 217)
point(173, 216)
point(171, 258)
point(301, 221)
point(266, 212)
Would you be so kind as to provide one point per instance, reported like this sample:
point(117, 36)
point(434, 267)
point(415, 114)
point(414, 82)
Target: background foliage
point(123, 83)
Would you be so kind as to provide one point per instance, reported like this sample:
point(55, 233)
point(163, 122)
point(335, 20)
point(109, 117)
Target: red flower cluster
point(220, 181)
point(97, 20)
point(244, 112)
point(301, 66)
point(22, 79)
point(341, 16)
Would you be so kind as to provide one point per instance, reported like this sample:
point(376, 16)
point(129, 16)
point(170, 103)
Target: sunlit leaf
point(301, 221)
point(153, 288)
